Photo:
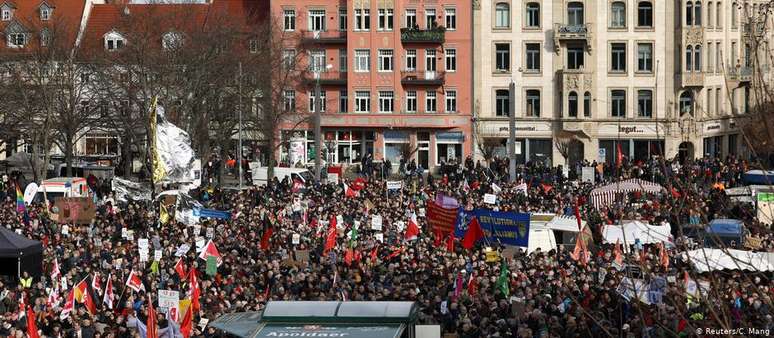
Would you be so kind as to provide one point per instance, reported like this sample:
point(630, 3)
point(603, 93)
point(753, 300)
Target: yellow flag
point(158, 169)
point(163, 213)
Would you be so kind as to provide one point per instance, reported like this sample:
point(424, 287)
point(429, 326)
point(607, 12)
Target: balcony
point(577, 80)
point(327, 78)
point(751, 30)
point(333, 37)
point(692, 79)
point(740, 74)
point(417, 35)
point(421, 78)
point(569, 33)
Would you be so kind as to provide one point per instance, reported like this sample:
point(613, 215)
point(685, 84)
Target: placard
point(376, 222)
point(296, 239)
point(182, 249)
point(490, 198)
point(602, 155)
point(142, 244)
point(157, 255)
point(200, 242)
point(333, 178)
point(210, 233)
point(379, 237)
point(197, 229)
point(587, 174)
point(302, 255)
point(169, 299)
point(394, 185)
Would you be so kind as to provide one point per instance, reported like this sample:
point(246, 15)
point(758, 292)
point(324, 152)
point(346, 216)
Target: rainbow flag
point(19, 199)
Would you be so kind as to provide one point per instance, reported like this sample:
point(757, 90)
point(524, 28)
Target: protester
point(541, 294)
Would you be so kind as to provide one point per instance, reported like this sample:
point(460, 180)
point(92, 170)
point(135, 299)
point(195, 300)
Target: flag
point(522, 188)
point(353, 236)
point(330, 241)
point(450, 242)
point(617, 255)
point(577, 214)
point(163, 213)
point(348, 257)
point(53, 298)
point(55, 272)
point(20, 207)
point(349, 192)
point(472, 284)
point(152, 329)
point(581, 253)
point(663, 256)
point(180, 268)
point(458, 286)
point(297, 185)
point(394, 253)
point(358, 184)
point(109, 297)
point(503, 281)
point(193, 284)
point(374, 253)
point(69, 305)
point(211, 250)
point(675, 193)
point(412, 230)
point(473, 234)
point(546, 187)
point(441, 219)
point(134, 282)
point(618, 155)
point(88, 302)
point(159, 172)
point(266, 237)
point(80, 290)
point(32, 328)
point(187, 325)
point(96, 284)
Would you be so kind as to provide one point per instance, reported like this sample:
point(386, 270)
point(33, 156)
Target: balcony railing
point(421, 77)
point(741, 74)
point(417, 35)
point(325, 37)
point(692, 79)
point(564, 32)
point(330, 77)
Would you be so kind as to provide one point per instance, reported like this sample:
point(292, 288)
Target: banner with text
point(508, 228)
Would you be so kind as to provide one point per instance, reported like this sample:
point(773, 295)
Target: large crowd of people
point(273, 248)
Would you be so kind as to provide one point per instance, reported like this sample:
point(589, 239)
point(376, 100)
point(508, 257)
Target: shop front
point(639, 142)
point(720, 138)
point(533, 140)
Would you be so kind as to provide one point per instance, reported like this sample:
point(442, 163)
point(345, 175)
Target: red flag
point(55, 273)
point(374, 253)
point(348, 257)
point(475, 185)
point(473, 234)
point(450, 242)
point(394, 254)
point(187, 325)
point(32, 328)
point(580, 254)
point(675, 194)
point(617, 256)
point(437, 238)
point(412, 230)
point(69, 305)
point(211, 250)
point(546, 187)
point(180, 268)
point(193, 284)
point(349, 192)
point(577, 215)
point(358, 184)
point(89, 303)
point(681, 325)
point(472, 284)
point(330, 241)
point(440, 219)
point(96, 284)
point(618, 155)
point(80, 290)
point(297, 185)
point(134, 282)
point(265, 238)
point(644, 256)
point(109, 297)
point(663, 255)
point(151, 326)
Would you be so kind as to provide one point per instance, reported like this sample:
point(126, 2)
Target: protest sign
point(169, 299)
point(210, 233)
point(182, 249)
point(73, 210)
point(587, 174)
point(490, 199)
point(143, 244)
point(333, 178)
point(200, 242)
point(394, 185)
point(379, 237)
point(197, 229)
point(508, 228)
point(143, 256)
point(496, 188)
point(124, 233)
point(296, 239)
point(440, 219)
point(302, 255)
point(376, 222)
point(157, 255)
point(765, 206)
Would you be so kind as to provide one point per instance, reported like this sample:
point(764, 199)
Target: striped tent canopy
point(606, 195)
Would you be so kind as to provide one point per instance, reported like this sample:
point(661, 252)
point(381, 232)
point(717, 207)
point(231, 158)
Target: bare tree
point(563, 141)
point(486, 145)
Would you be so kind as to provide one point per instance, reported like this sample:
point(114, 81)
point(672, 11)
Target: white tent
point(632, 231)
point(708, 259)
point(606, 195)
point(565, 223)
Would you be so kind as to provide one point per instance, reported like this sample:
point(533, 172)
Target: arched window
point(587, 104)
point(575, 14)
point(697, 13)
point(533, 14)
point(572, 104)
point(734, 14)
point(697, 58)
point(686, 103)
point(502, 15)
point(719, 14)
point(645, 14)
point(688, 59)
point(618, 14)
point(710, 16)
point(688, 13)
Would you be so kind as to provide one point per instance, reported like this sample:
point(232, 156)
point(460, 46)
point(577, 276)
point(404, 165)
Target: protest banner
point(302, 255)
point(211, 213)
point(765, 206)
point(508, 228)
point(169, 299)
point(441, 219)
point(394, 185)
point(73, 210)
point(376, 222)
point(490, 198)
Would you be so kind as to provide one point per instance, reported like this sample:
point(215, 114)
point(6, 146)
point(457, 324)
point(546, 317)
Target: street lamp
point(317, 122)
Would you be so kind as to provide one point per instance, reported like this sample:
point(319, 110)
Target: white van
point(53, 188)
point(260, 174)
point(541, 237)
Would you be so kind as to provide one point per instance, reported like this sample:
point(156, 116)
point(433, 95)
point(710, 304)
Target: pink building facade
point(394, 75)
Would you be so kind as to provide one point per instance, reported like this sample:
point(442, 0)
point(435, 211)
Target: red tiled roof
point(65, 13)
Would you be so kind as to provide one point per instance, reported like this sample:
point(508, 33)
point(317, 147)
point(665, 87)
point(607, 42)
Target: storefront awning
point(330, 330)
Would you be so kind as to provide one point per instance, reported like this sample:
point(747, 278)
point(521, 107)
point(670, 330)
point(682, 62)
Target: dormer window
point(45, 12)
point(45, 37)
point(6, 12)
point(171, 40)
point(114, 41)
point(17, 40)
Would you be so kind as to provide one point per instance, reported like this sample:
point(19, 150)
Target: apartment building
point(654, 76)
point(395, 79)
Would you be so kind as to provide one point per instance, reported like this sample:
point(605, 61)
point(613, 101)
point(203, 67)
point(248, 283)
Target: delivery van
point(260, 174)
point(53, 188)
point(541, 237)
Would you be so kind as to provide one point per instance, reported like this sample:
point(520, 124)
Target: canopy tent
point(634, 231)
point(707, 259)
point(565, 223)
point(18, 254)
point(606, 195)
point(759, 177)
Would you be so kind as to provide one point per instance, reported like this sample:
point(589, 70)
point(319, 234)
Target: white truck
point(53, 188)
point(261, 174)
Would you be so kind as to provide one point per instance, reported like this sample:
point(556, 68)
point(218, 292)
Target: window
point(697, 13)
point(502, 102)
point(451, 60)
point(343, 101)
point(313, 101)
point(114, 41)
point(688, 13)
point(502, 15)
point(575, 14)
point(618, 57)
point(645, 103)
point(645, 14)
point(618, 103)
point(362, 60)
point(533, 15)
point(572, 104)
point(718, 101)
point(587, 104)
point(708, 107)
point(411, 101)
point(411, 59)
point(289, 58)
point(289, 100)
point(317, 60)
point(430, 103)
point(710, 55)
point(253, 46)
point(45, 13)
point(533, 103)
point(343, 60)
point(734, 15)
point(290, 19)
point(386, 101)
point(342, 19)
point(362, 19)
point(316, 20)
point(45, 37)
point(618, 14)
point(686, 103)
point(710, 16)
point(718, 59)
point(362, 101)
point(719, 14)
point(697, 58)
point(430, 22)
point(17, 39)
point(7, 14)
point(574, 57)
point(411, 18)
point(502, 57)
point(385, 19)
point(451, 19)
point(451, 101)
point(532, 57)
point(430, 65)
point(688, 59)
point(645, 57)
point(385, 60)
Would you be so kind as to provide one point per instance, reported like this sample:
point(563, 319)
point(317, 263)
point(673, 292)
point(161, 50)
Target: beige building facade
point(655, 77)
